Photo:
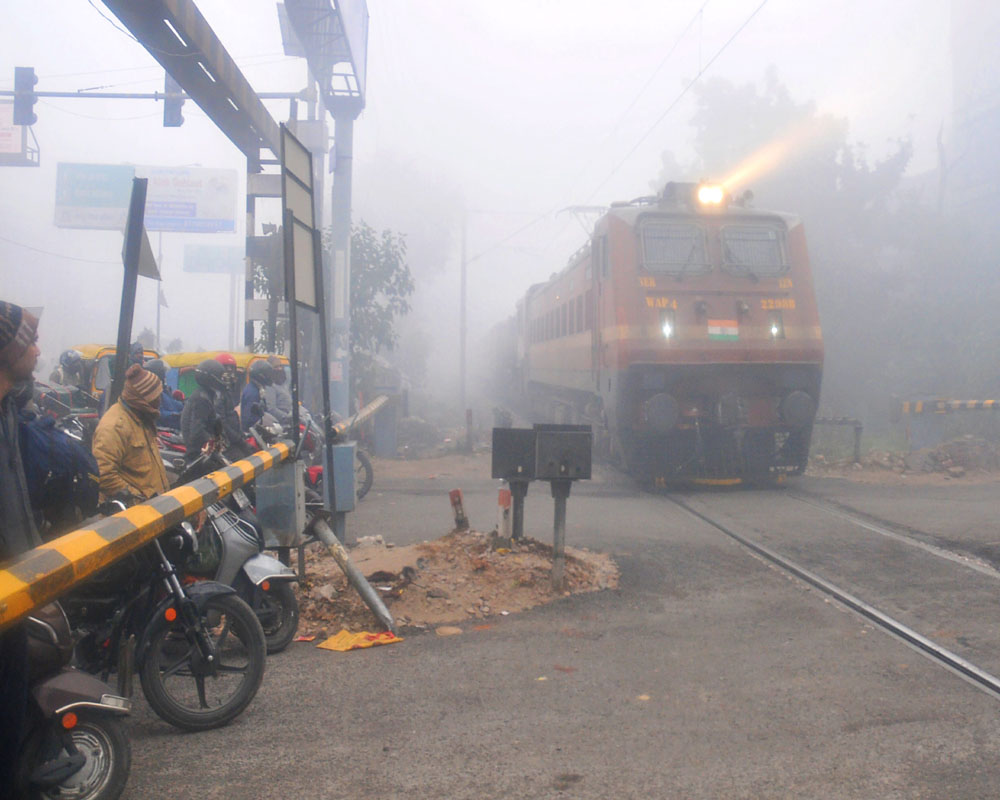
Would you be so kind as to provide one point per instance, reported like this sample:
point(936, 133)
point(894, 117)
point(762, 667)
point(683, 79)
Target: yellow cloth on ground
point(345, 640)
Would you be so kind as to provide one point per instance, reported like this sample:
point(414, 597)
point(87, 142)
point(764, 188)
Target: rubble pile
point(465, 575)
point(953, 459)
point(417, 437)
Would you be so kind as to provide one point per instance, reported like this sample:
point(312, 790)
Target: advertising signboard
point(14, 148)
point(10, 134)
point(226, 259)
point(93, 195)
point(181, 199)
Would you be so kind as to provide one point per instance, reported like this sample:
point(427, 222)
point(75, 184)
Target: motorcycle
point(198, 649)
point(76, 745)
point(231, 552)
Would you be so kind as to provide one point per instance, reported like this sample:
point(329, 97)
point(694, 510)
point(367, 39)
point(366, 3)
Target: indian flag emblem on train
point(727, 330)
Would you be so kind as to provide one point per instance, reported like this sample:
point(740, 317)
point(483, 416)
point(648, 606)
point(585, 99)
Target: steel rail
point(971, 562)
point(934, 652)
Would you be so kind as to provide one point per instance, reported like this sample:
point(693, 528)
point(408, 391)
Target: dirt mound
point(462, 576)
point(953, 459)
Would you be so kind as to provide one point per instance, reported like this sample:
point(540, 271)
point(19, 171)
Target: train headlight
point(668, 324)
point(776, 326)
point(711, 194)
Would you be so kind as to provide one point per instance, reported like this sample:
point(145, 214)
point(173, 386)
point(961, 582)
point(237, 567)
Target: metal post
point(322, 531)
point(133, 246)
point(339, 288)
point(159, 284)
point(461, 336)
point(518, 490)
point(248, 275)
point(560, 491)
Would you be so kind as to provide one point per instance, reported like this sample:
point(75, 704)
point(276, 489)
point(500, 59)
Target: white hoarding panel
point(184, 199)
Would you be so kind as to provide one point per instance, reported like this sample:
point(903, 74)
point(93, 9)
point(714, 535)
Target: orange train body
point(688, 337)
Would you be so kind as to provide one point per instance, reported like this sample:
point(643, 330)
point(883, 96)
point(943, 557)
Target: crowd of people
point(125, 447)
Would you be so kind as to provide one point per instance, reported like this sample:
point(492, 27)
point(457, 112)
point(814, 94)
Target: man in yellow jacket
point(125, 444)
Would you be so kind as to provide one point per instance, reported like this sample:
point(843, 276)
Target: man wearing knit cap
point(18, 356)
point(125, 444)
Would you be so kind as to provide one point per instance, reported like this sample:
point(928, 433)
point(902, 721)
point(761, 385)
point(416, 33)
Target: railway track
point(936, 653)
point(905, 536)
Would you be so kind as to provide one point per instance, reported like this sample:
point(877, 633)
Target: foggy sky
point(515, 109)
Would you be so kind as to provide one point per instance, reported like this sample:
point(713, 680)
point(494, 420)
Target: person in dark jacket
point(18, 356)
point(252, 402)
point(170, 407)
point(205, 415)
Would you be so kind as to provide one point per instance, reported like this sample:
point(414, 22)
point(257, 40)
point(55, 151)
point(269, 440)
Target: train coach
point(686, 333)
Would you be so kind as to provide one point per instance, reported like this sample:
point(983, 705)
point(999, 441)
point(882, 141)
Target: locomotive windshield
point(757, 249)
point(673, 248)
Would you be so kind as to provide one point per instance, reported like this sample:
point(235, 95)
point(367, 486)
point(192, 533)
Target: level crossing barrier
point(41, 575)
point(947, 406)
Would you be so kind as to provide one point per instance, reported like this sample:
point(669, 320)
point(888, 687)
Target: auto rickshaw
point(99, 365)
point(181, 367)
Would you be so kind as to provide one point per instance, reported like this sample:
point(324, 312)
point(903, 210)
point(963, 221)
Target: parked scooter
point(76, 745)
point(231, 551)
point(198, 648)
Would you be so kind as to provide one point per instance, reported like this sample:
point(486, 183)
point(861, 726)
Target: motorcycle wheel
point(102, 740)
point(364, 474)
point(194, 696)
point(277, 609)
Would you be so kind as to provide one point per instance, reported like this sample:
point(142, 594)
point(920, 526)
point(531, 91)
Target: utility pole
point(159, 285)
point(344, 111)
point(462, 337)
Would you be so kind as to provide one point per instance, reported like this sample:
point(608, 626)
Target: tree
point(175, 346)
point(147, 338)
point(381, 284)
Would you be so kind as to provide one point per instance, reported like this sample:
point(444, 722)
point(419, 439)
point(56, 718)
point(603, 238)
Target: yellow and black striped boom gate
point(947, 406)
point(44, 573)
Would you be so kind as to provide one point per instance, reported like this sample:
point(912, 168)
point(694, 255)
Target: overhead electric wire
point(55, 255)
point(651, 128)
point(677, 100)
point(666, 58)
point(101, 118)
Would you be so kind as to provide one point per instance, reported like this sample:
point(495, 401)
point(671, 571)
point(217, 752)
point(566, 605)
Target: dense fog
point(485, 124)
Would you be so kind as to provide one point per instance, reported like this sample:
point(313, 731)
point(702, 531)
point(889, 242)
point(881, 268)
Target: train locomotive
point(686, 333)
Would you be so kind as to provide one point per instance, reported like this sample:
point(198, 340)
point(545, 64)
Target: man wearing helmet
point(170, 408)
point(252, 402)
point(277, 395)
point(205, 413)
point(230, 377)
point(70, 371)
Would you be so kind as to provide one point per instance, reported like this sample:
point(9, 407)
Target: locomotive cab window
point(754, 249)
point(673, 248)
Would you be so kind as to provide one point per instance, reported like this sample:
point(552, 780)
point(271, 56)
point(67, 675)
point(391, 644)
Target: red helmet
point(226, 359)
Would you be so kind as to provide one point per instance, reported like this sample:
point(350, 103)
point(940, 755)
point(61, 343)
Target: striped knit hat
point(142, 390)
point(17, 332)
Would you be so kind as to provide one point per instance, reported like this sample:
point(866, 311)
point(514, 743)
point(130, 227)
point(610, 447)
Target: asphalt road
point(707, 674)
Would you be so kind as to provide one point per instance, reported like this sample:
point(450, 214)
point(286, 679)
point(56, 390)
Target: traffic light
point(173, 100)
point(24, 95)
